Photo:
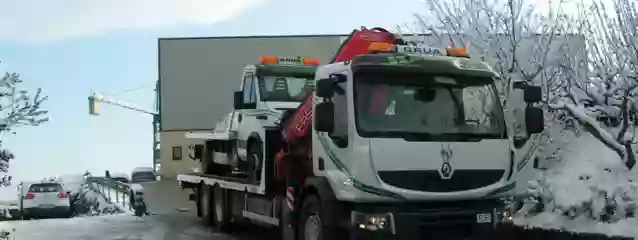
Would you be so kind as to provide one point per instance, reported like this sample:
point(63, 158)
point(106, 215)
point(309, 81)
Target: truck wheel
point(312, 225)
point(204, 200)
point(221, 209)
point(254, 161)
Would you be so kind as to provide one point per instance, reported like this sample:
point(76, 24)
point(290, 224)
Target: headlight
point(506, 215)
point(373, 222)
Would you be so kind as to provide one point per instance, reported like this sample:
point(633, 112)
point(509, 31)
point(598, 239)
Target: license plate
point(46, 205)
point(484, 218)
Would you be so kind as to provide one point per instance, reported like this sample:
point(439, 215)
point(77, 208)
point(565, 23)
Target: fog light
point(373, 222)
point(506, 216)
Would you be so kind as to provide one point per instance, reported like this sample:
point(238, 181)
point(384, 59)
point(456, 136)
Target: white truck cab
point(398, 126)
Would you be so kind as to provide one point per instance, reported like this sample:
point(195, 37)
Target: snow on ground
point(175, 226)
point(578, 185)
point(102, 227)
point(624, 227)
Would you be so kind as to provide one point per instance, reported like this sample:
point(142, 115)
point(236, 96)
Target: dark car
point(143, 174)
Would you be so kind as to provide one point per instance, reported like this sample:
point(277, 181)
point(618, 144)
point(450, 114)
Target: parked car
point(46, 199)
point(143, 174)
point(122, 177)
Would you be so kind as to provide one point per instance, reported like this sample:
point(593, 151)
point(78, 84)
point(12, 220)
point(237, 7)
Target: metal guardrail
point(128, 196)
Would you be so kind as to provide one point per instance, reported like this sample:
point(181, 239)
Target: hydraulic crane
point(96, 98)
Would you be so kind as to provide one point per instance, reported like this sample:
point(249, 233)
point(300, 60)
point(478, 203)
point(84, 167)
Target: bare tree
point(508, 34)
point(17, 109)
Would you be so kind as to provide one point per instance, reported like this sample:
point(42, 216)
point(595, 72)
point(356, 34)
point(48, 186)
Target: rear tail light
point(62, 195)
point(30, 196)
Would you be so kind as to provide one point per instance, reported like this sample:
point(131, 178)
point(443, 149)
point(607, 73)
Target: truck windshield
point(285, 88)
point(425, 107)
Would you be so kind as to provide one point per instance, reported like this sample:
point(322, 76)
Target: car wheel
point(254, 161)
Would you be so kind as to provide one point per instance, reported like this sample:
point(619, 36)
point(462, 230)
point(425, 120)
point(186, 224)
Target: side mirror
point(532, 94)
point(325, 88)
point(534, 120)
point(238, 100)
point(324, 117)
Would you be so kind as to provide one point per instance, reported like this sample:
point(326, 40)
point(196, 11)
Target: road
point(173, 219)
point(176, 226)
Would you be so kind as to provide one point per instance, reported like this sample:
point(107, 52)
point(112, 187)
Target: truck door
point(247, 123)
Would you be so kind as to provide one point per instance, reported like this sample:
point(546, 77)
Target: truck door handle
point(262, 117)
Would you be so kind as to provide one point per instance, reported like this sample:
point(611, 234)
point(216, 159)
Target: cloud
point(44, 20)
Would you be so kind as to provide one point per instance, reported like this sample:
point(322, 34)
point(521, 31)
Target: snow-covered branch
point(518, 43)
point(17, 108)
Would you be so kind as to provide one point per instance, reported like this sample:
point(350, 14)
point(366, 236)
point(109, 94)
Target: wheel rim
point(256, 161)
point(219, 208)
point(312, 228)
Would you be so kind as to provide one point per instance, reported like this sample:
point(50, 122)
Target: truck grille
point(430, 180)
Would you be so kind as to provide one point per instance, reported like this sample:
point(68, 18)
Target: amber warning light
point(288, 60)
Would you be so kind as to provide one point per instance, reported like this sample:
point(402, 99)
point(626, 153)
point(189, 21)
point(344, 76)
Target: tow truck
point(398, 142)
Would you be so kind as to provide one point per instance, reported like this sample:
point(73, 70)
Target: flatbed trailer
point(234, 195)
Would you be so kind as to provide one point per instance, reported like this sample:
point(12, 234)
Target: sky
point(70, 48)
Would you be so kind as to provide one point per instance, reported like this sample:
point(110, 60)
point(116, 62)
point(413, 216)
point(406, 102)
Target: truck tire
point(221, 209)
point(254, 161)
point(311, 226)
point(204, 203)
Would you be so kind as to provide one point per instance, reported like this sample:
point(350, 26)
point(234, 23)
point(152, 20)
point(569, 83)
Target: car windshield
point(45, 188)
point(285, 88)
point(427, 107)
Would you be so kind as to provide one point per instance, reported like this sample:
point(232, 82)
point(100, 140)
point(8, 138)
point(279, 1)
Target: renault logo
point(446, 170)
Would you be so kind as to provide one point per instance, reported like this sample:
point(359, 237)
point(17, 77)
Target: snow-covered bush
point(591, 185)
point(17, 108)
point(90, 202)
